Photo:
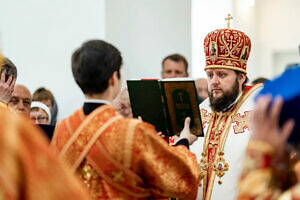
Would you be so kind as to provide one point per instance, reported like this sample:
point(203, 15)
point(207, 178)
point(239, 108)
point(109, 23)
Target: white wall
point(246, 21)
point(274, 29)
point(146, 31)
point(272, 26)
point(40, 35)
point(279, 31)
point(207, 16)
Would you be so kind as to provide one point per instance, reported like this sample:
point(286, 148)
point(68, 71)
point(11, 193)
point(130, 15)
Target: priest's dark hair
point(246, 81)
point(93, 64)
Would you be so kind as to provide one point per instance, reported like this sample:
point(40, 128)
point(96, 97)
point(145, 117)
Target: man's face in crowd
point(172, 69)
point(20, 100)
point(224, 86)
point(201, 85)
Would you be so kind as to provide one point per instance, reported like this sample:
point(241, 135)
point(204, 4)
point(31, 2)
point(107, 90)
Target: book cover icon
point(166, 104)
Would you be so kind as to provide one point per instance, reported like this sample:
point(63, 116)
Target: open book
point(165, 104)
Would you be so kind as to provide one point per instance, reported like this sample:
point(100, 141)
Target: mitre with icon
point(227, 48)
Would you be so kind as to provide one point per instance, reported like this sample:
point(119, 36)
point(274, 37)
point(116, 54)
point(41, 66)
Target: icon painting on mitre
point(227, 48)
point(213, 49)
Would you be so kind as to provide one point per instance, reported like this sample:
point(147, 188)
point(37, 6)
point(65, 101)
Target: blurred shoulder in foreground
point(28, 170)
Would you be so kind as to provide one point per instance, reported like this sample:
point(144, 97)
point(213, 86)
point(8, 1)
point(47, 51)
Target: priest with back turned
point(117, 157)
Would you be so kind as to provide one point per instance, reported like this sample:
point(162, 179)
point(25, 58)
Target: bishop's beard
point(223, 102)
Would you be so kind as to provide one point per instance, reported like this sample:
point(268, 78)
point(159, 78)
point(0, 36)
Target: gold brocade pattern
point(72, 151)
point(212, 162)
point(28, 170)
point(256, 177)
point(214, 150)
point(227, 48)
point(165, 171)
point(1, 195)
point(220, 166)
point(90, 178)
point(216, 162)
point(241, 122)
point(205, 117)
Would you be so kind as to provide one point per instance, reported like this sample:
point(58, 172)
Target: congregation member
point(45, 96)
point(201, 86)
point(40, 113)
point(174, 66)
point(225, 114)
point(8, 73)
point(122, 103)
point(20, 100)
point(271, 168)
point(117, 157)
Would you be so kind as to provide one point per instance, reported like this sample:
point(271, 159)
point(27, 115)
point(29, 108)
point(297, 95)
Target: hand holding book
point(186, 133)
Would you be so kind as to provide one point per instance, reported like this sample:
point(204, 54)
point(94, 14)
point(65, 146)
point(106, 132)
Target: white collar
point(97, 101)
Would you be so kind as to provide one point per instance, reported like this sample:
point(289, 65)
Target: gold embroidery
point(242, 122)
point(203, 166)
point(217, 126)
point(90, 178)
point(234, 41)
point(204, 155)
point(87, 172)
point(117, 176)
point(225, 67)
point(206, 117)
point(129, 142)
point(1, 195)
point(221, 166)
point(85, 136)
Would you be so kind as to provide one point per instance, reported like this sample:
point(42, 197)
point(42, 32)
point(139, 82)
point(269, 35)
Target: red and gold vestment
point(122, 158)
point(221, 151)
point(28, 169)
point(259, 180)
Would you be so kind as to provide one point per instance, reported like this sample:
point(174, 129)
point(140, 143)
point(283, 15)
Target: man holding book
point(225, 114)
point(117, 157)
